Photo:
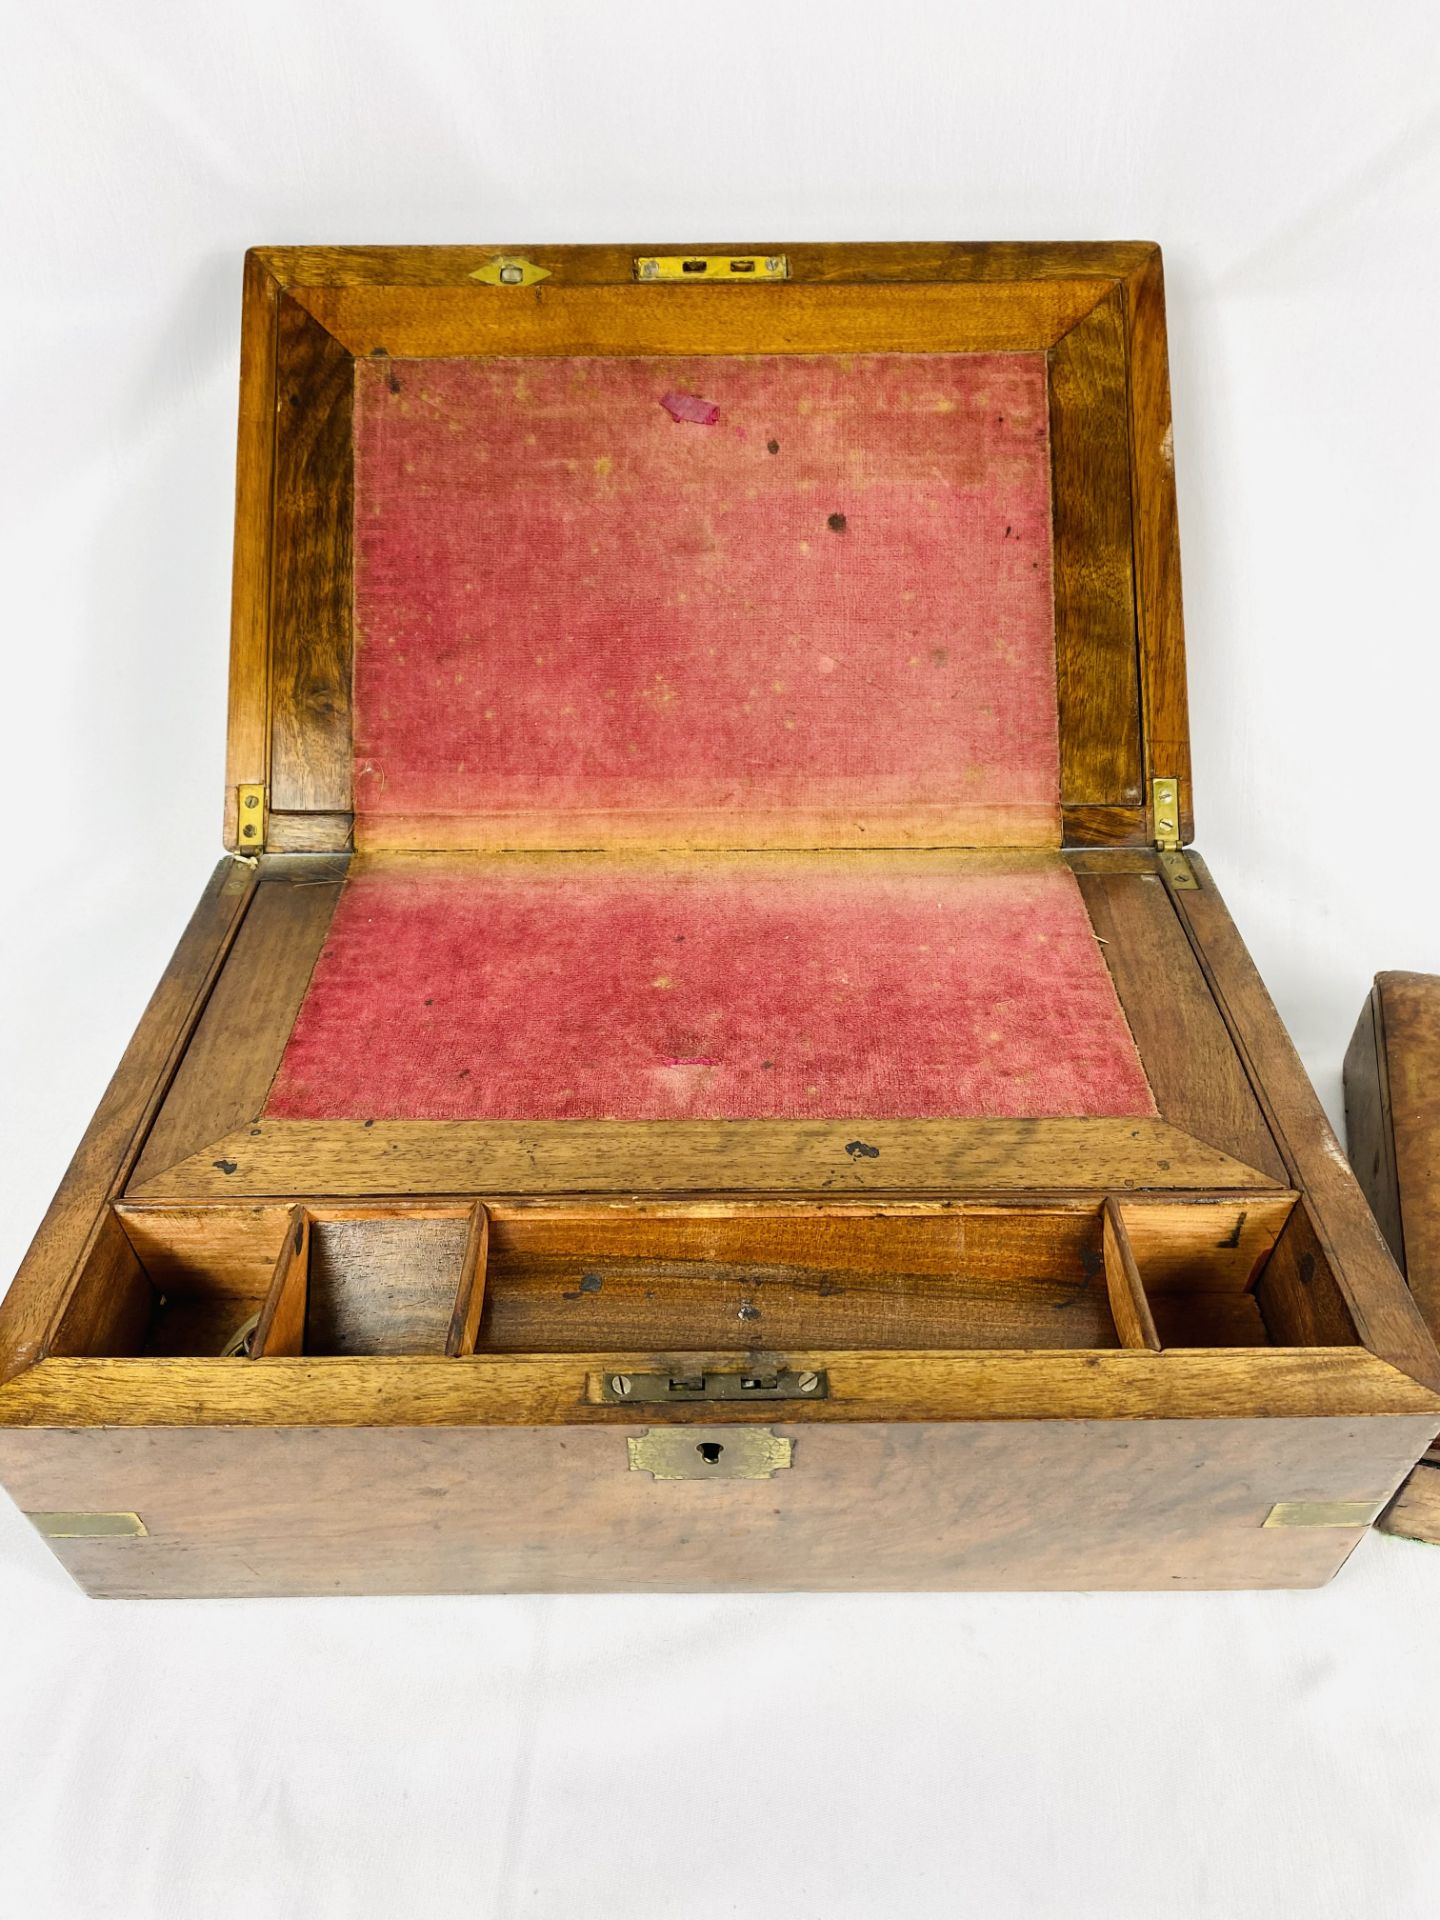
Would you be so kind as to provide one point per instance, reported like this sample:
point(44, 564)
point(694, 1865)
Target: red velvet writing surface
point(769, 987)
point(824, 618)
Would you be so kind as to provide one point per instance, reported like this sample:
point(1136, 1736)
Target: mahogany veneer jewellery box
point(712, 1066)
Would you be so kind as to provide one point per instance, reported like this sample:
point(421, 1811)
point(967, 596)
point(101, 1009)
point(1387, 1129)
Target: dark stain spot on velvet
point(429, 1000)
point(772, 446)
point(747, 1312)
point(837, 523)
point(861, 1150)
point(767, 1064)
point(1007, 533)
point(225, 1166)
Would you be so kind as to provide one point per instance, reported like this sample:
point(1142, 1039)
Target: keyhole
point(710, 1451)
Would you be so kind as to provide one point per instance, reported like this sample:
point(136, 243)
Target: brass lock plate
point(673, 1387)
point(727, 268)
point(709, 1453)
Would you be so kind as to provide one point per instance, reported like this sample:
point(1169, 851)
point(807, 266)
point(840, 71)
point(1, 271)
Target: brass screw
point(808, 1382)
point(620, 1383)
point(252, 799)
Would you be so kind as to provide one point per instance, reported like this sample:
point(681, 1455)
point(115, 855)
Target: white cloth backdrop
point(1229, 1756)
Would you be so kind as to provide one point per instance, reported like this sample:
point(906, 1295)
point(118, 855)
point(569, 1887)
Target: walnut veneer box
point(714, 1068)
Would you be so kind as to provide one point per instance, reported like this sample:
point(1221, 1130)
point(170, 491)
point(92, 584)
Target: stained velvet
point(593, 620)
point(767, 987)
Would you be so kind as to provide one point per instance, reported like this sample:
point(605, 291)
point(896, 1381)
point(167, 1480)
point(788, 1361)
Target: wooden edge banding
point(310, 832)
point(1385, 1315)
point(1159, 617)
point(247, 761)
point(1249, 1383)
point(1093, 563)
point(311, 564)
point(470, 1293)
point(1133, 1320)
point(791, 316)
point(340, 1158)
point(1104, 826)
point(885, 262)
point(111, 1143)
point(237, 1044)
point(281, 1326)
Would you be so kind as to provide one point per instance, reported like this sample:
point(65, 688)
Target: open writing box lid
point(896, 566)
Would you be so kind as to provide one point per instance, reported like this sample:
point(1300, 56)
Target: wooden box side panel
point(1380, 1304)
point(112, 1142)
point(1408, 1031)
point(1008, 1505)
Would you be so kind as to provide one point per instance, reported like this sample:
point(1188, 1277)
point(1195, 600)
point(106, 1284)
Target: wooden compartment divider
point(470, 1294)
point(281, 1326)
point(1133, 1320)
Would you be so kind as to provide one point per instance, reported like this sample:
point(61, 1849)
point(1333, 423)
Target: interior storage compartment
point(453, 1278)
point(268, 1281)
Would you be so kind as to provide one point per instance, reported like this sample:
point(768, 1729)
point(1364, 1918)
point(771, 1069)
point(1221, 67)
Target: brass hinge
point(727, 267)
point(1165, 812)
point(250, 814)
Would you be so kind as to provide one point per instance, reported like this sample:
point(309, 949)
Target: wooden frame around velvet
point(1096, 311)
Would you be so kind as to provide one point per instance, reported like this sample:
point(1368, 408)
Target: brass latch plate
point(673, 1388)
point(709, 1453)
point(1324, 1513)
point(731, 268)
point(510, 270)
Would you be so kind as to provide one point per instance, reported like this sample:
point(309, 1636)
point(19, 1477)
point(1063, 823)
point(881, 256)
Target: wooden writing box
point(712, 990)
